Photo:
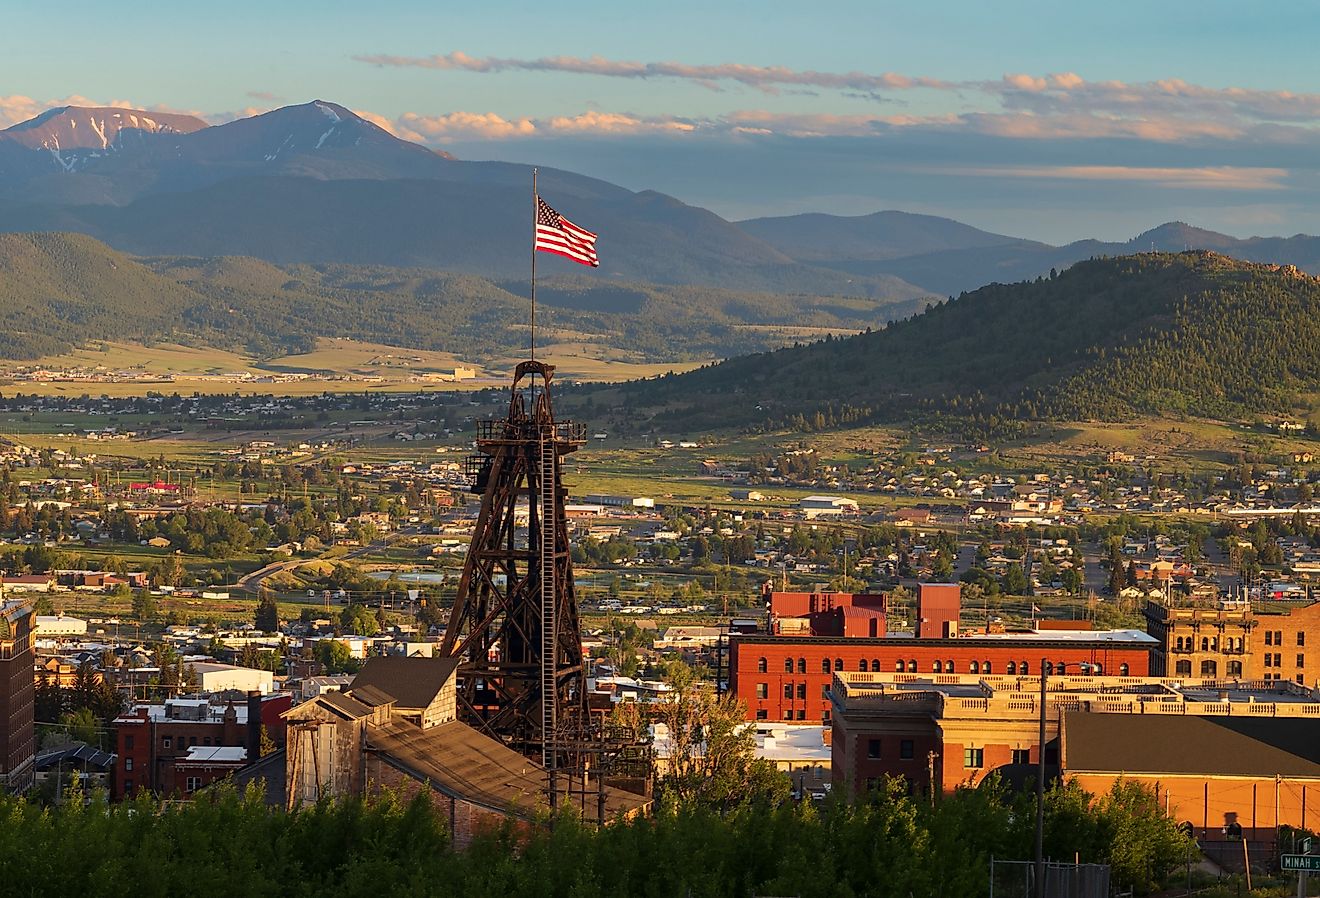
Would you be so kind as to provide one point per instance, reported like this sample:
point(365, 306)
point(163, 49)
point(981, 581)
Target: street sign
point(1309, 862)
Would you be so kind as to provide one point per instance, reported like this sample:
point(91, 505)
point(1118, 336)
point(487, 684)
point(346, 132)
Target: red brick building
point(18, 742)
point(164, 748)
point(785, 674)
point(789, 677)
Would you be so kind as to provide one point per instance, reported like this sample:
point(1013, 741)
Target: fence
point(1017, 879)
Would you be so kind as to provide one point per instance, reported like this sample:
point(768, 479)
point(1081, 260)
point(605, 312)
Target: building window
point(974, 667)
point(801, 715)
point(128, 742)
point(1299, 679)
point(1269, 637)
point(824, 665)
point(128, 785)
point(802, 665)
point(802, 690)
point(165, 742)
point(1021, 756)
point(936, 667)
point(788, 665)
point(788, 713)
point(898, 666)
point(974, 757)
point(825, 718)
point(1278, 637)
point(762, 714)
point(861, 665)
point(912, 665)
point(1123, 669)
point(875, 665)
point(1059, 668)
point(1012, 667)
point(206, 740)
point(838, 664)
point(193, 783)
point(948, 666)
point(1301, 660)
point(905, 749)
point(985, 667)
point(1024, 668)
point(1301, 637)
point(1209, 669)
point(1205, 643)
point(762, 665)
point(1269, 660)
point(762, 690)
point(873, 748)
point(128, 763)
point(825, 691)
point(1183, 668)
point(788, 690)
point(1235, 668)
point(1278, 659)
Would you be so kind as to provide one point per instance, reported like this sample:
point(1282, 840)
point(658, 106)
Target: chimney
point(253, 726)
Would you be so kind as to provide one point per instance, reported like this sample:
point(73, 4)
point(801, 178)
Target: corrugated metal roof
point(458, 761)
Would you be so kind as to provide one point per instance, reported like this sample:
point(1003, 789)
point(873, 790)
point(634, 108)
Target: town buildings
point(1216, 754)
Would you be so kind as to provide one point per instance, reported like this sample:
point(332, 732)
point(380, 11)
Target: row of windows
point(1276, 659)
point(905, 749)
point(1275, 637)
point(1209, 643)
point(910, 666)
point(1183, 668)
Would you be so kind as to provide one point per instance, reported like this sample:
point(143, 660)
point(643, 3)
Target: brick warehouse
point(785, 674)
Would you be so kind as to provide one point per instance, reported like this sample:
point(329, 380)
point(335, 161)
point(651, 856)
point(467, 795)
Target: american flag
point(556, 234)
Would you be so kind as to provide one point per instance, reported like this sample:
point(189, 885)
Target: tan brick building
point(1234, 641)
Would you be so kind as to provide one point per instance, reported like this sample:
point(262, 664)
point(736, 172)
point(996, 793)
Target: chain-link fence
point(1017, 879)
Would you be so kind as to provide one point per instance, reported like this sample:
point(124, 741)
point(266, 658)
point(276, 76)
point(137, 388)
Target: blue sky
point(1048, 120)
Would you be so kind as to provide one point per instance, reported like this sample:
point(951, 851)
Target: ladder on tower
point(549, 630)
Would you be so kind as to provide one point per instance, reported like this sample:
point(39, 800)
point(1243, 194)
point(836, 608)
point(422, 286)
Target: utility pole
point(1040, 788)
point(930, 772)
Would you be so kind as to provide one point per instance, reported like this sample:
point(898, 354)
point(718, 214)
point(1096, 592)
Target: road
point(252, 582)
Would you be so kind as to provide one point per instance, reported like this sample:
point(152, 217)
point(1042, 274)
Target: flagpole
point(535, 209)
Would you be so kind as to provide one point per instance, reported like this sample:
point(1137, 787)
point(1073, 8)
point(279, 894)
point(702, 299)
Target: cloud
point(265, 96)
point(470, 125)
point(765, 78)
point(1223, 177)
point(1211, 111)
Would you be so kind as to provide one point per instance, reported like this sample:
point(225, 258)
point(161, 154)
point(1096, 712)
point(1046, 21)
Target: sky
point(1055, 121)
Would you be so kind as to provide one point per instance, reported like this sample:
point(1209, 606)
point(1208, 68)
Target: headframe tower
point(514, 622)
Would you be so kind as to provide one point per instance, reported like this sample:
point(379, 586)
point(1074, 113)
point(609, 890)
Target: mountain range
point(317, 183)
point(61, 290)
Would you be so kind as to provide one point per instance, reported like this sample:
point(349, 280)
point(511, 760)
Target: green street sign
point(1309, 862)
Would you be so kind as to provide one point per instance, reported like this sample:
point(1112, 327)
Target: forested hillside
point(59, 290)
point(1194, 333)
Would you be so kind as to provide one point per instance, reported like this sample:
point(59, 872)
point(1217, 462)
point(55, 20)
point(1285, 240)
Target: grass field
point(211, 370)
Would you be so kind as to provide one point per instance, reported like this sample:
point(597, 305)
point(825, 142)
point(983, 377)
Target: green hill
point(1190, 333)
point(60, 290)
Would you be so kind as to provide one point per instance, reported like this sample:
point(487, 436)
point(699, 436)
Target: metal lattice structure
point(514, 623)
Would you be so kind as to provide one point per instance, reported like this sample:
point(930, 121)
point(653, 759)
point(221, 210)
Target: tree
point(358, 620)
point(268, 612)
point(1015, 580)
point(712, 751)
point(144, 605)
point(335, 657)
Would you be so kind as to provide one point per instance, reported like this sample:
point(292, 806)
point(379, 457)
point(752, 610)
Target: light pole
point(1040, 787)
